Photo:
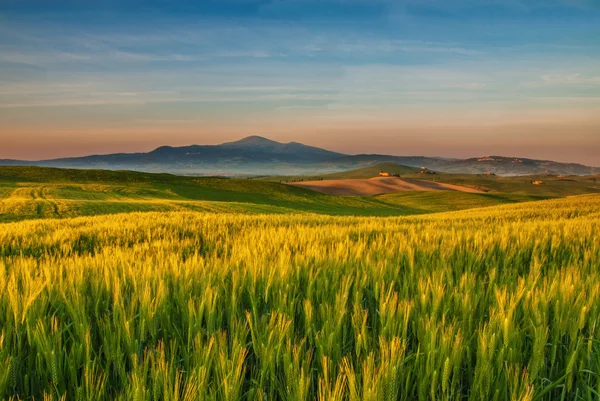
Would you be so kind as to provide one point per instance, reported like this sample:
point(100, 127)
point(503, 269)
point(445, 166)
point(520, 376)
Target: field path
point(378, 186)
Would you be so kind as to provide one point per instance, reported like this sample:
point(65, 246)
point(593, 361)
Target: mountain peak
point(253, 140)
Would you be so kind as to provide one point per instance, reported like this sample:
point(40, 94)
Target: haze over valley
point(257, 155)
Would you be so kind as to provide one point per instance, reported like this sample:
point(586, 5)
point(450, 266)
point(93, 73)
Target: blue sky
point(453, 78)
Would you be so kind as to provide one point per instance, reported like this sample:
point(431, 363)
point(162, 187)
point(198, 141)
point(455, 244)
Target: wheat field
point(499, 303)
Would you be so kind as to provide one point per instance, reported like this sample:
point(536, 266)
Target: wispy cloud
point(210, 41)
point(467, 85)
point(562, 79)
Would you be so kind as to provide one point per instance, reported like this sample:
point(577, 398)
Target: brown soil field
point(378, 186)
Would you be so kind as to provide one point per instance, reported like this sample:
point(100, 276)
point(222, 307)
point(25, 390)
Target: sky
point(452, 78)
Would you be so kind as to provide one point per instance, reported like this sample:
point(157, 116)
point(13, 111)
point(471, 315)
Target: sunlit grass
point(51, 195)
point(499, 303)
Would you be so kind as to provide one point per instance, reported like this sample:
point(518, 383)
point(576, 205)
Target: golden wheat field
point(499, 303)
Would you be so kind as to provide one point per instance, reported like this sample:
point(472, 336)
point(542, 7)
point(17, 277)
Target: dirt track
point(378, 186)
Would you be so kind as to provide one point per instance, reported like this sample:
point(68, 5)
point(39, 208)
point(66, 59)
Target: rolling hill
point(372, 171)
point(551, 185)
point(255, 155)
point(500, 165)
point(42, 192)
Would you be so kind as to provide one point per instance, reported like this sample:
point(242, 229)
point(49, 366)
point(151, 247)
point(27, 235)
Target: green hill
point(551, 186)
point(39, 192)
point(444, 201)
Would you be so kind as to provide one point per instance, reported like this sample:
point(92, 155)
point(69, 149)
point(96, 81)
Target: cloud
point(116, 90)
point(287, 64)
point(572, 80)
point(208, 41)
point(467, 85)
point(560, 79)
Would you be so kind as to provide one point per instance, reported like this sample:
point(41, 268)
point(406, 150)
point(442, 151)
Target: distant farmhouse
point(384, 174)
point(537, 182)
point(425, 170)
point(488, 173)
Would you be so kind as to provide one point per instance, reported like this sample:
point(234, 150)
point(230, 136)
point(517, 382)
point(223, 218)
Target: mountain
point(501, 165)
point(256, 155)
point(250, 150)
point(11, 162)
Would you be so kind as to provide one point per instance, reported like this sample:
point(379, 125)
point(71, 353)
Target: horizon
point(305, 144)
point(406, 78)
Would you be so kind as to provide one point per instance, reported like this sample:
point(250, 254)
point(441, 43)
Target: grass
point(552, 186)
point(444, 201)
point(499, 303)
point(35, 192)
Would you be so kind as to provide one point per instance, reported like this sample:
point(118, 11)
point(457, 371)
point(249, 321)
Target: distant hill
point(42, 192)
point(371, 171)
point(371, 159)
point(256, 155)
point(10, 162)
point(232, 157)
point(500, 165)
point(552, 185)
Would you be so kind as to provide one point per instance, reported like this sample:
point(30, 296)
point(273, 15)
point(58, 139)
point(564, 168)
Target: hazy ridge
point(256, 155)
